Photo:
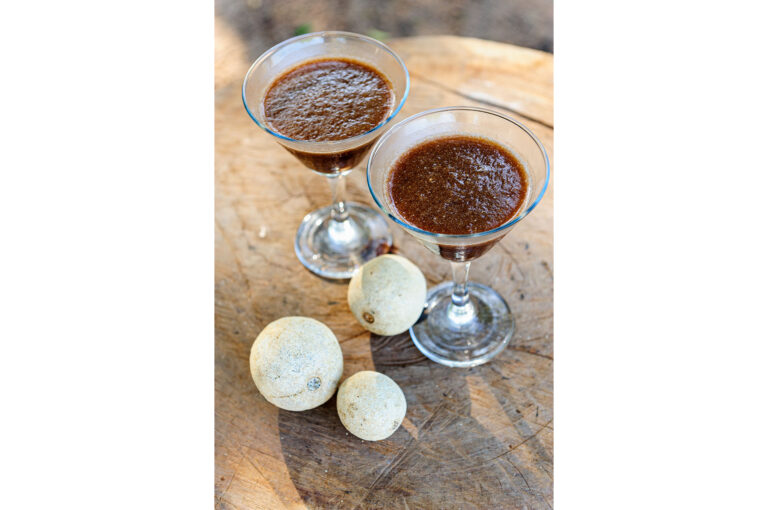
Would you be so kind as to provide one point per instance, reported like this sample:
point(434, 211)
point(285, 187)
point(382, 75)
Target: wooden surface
point(472, 438)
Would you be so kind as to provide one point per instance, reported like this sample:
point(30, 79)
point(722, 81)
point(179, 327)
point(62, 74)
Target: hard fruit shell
point(387, 294)
point(296, 363)
point(370, 405)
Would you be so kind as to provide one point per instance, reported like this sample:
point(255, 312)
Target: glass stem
point(460, 296)
point(339, 211)
point(461, 311)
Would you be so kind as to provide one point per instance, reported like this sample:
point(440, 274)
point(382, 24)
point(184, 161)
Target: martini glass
point(332, 241)
point(464, 323)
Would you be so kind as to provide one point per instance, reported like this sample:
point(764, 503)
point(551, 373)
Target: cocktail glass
point(464, 323)
point(334, 240)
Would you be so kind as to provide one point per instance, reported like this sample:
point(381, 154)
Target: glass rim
point(501, 227)
point(350, 35)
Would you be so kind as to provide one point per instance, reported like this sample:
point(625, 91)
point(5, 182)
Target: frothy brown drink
point(326, 100)
point(458, 185)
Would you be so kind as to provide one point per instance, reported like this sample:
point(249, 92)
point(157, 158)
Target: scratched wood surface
point(472, 438)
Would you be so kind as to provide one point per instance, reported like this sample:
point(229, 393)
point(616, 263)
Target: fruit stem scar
point(313, 383)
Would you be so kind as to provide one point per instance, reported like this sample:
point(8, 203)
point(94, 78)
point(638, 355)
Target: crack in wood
point(397, 459)
point(527, 438)
point(400, 344)
point(546, 266)
point(352, 337)
point(513, 259)
point(400, 362)
point(262, 475)
point(521, 473)
point(518, 349)
point(234, 473)
point(483, 101)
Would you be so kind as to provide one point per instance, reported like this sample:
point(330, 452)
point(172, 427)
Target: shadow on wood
point(442, 456)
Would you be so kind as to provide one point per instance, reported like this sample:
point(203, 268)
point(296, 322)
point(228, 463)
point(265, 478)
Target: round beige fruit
point(296, 363)
point(387, 294)
point(370, 405)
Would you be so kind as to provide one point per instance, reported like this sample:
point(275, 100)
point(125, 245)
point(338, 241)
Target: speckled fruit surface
point(371, 405)
point(296, 363)
point(387, 294)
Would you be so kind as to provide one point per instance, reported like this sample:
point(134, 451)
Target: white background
point(106, 277)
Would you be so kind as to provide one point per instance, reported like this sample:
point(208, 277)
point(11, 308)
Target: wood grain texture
point(472, 438)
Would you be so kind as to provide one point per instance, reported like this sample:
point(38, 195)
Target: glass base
point(334, 249)
point(466, 336)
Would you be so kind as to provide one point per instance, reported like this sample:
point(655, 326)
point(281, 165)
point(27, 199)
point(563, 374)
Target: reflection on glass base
point(334, 249)
point(467, 337)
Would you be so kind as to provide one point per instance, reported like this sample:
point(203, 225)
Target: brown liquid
point(328, 100)
point(333, 162)
point(458, 185)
